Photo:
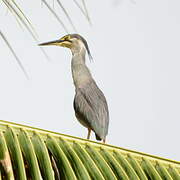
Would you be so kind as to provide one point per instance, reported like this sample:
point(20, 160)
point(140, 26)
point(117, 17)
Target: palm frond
point(14, 54)
point(15, 9)
point(83, 11)
point(67, 15)
point(39, 154)
point(26, 20)
point(23, 21)
point(55, 15)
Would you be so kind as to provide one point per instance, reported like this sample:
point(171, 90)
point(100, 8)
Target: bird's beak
point(56, 42)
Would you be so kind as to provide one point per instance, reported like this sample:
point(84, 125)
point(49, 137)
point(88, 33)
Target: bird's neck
point(80, 72)
point(78, 48)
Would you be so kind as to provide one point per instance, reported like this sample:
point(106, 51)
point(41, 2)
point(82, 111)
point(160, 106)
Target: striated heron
point(90, 104)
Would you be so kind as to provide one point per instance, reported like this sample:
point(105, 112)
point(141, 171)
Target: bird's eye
point(67, 38)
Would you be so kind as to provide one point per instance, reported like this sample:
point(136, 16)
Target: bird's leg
point(104, 140)
point(89, 132)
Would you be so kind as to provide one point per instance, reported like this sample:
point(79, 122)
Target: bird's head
point(75, 42)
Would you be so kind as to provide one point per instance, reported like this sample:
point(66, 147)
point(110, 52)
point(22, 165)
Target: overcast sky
point(135, 47)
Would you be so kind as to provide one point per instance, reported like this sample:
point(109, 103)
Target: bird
point(90, 105)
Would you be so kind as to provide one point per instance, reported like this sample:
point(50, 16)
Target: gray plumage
point(90, 104)
point(91, 109)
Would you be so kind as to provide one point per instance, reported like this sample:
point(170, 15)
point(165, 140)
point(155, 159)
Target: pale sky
point(135, 47)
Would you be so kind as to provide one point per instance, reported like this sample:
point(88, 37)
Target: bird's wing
point(90, 104)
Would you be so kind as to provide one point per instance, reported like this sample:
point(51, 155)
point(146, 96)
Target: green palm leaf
point(31, 153)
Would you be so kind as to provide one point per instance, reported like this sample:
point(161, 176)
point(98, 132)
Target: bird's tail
point(98, 138)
